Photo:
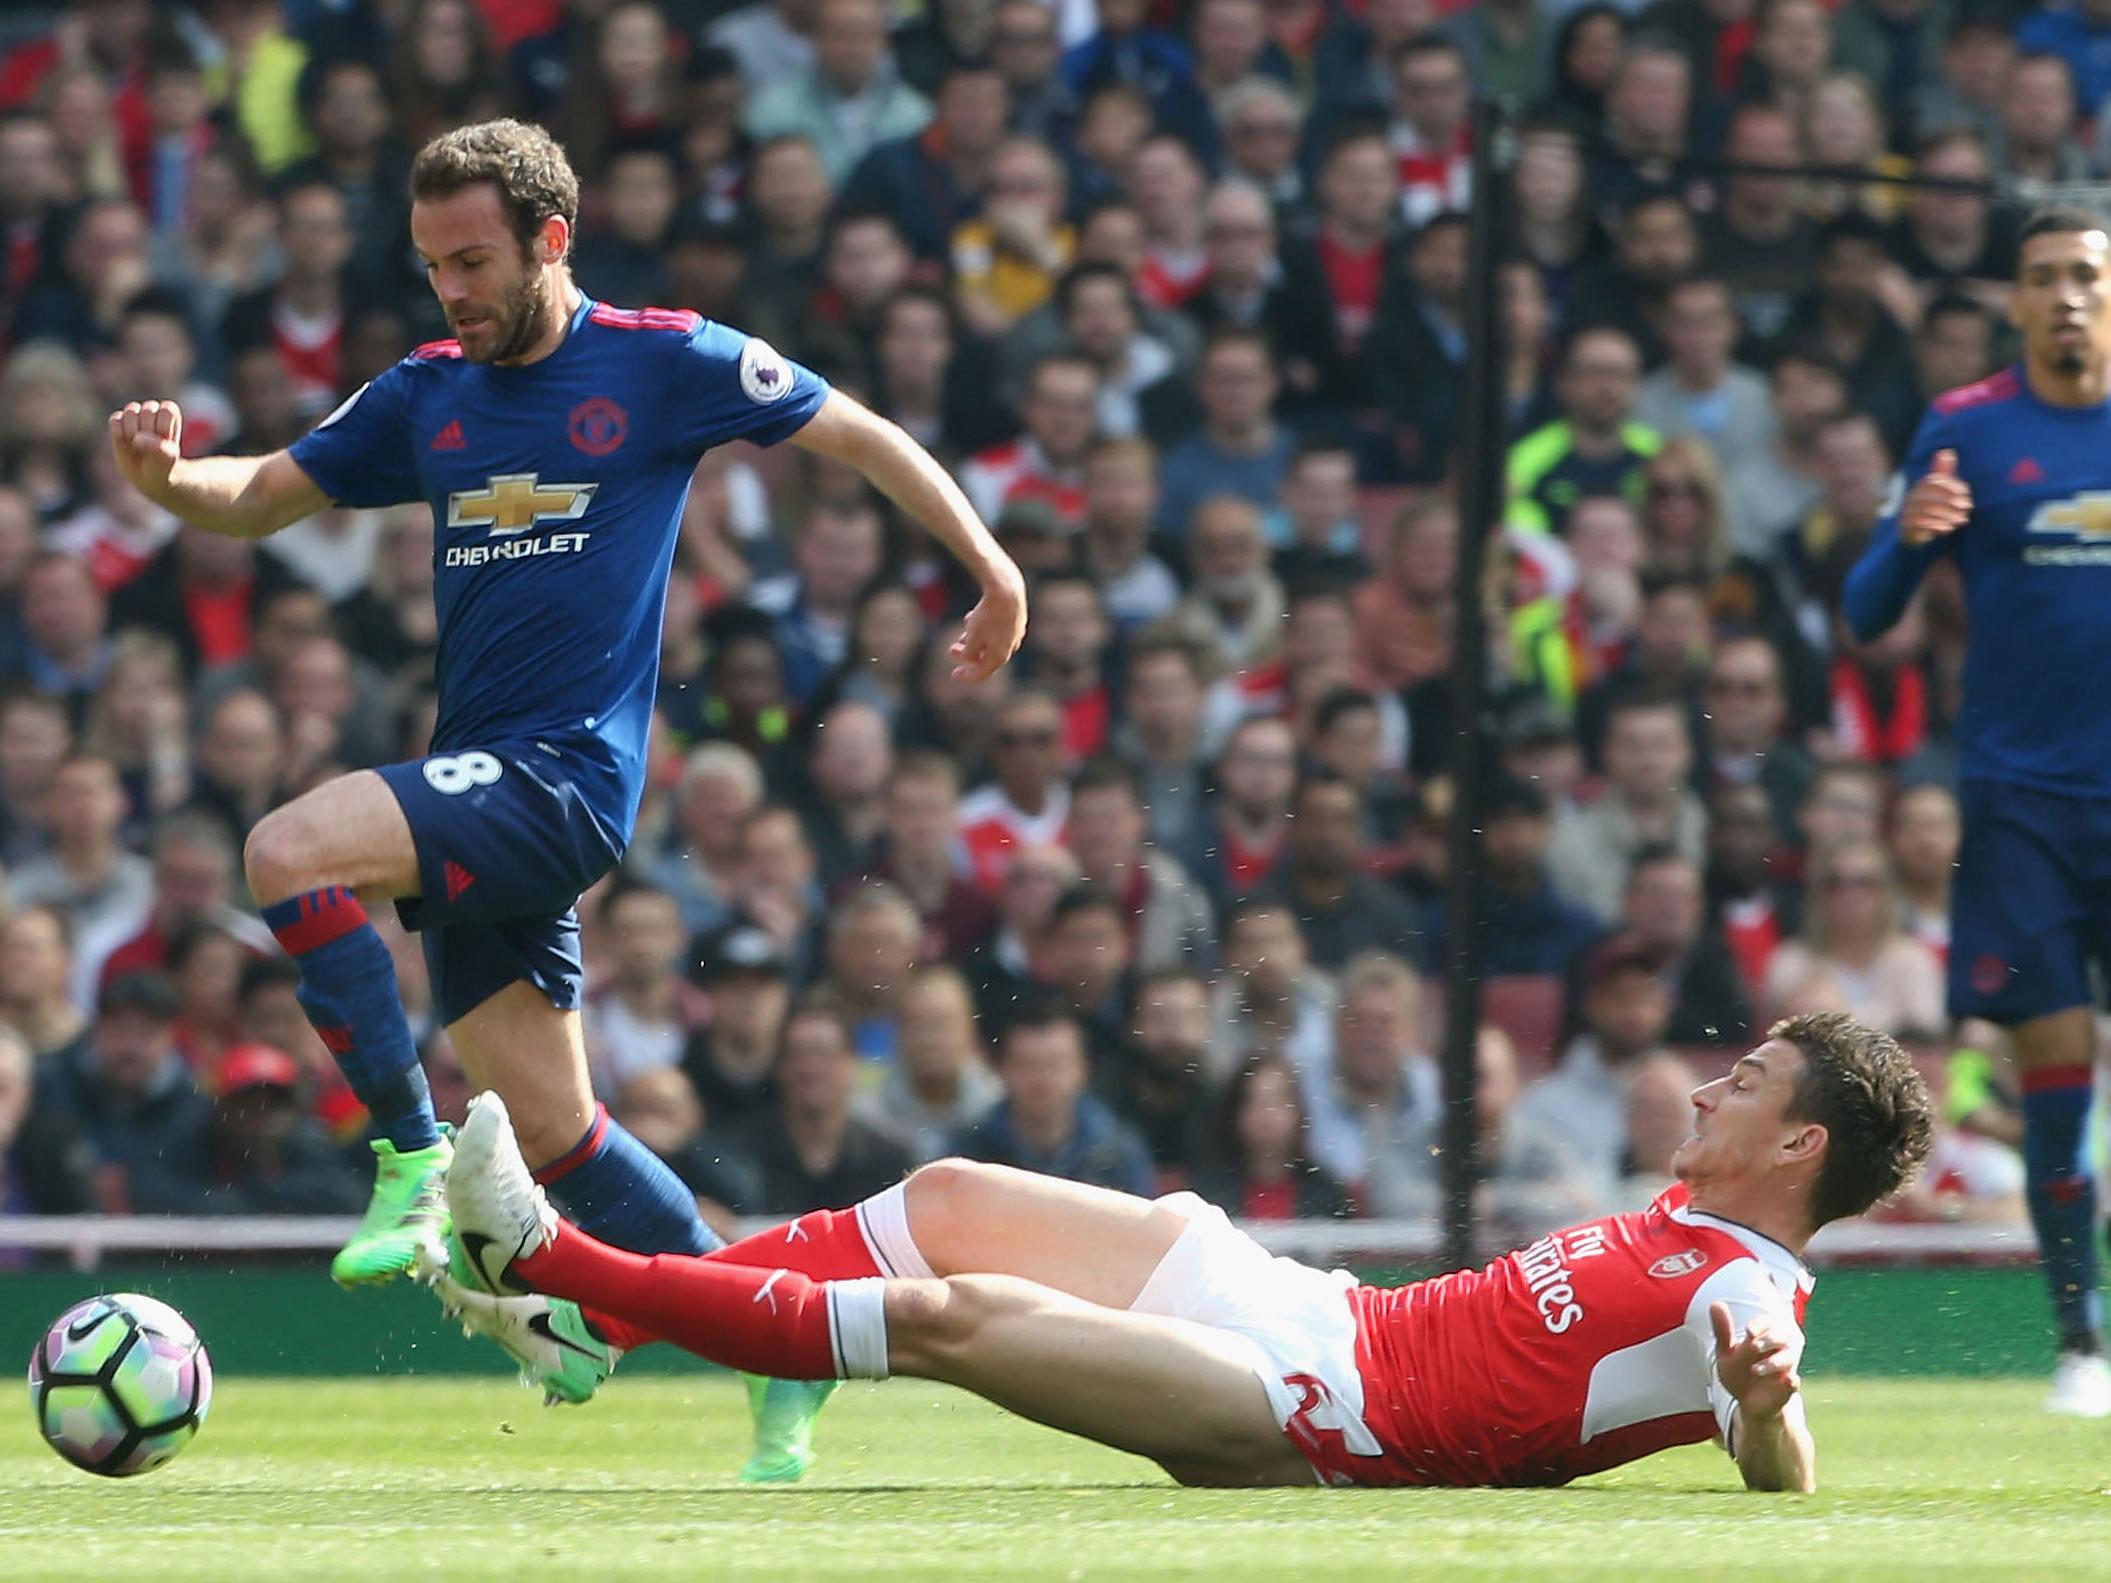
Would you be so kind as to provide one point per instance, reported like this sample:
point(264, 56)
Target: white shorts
point(1295, 1320)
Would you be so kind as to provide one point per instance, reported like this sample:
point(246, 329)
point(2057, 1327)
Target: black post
point(1480, 516)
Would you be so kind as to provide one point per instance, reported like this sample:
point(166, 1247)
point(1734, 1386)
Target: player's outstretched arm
point(243, 497)
point(1768, 1436)
point(1882, 582)
point(908, 475)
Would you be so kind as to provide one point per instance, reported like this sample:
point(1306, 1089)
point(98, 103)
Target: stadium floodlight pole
point(1480, 518)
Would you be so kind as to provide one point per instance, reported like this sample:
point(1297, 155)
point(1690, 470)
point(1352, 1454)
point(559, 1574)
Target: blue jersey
point(2036, 563)
point(557, 490)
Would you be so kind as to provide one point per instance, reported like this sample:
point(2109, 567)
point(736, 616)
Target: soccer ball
point(119, 1384)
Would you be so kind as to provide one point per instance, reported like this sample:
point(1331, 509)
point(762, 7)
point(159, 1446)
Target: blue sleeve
point(1883, 580)
point(732, 386)
point(360, 455)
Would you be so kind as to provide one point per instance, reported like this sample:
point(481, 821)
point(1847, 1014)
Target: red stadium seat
point(1528, 1007)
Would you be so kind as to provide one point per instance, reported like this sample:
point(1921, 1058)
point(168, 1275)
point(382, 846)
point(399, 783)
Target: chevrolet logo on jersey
point(513, 503)
point(516, 502)
point(2086, 516)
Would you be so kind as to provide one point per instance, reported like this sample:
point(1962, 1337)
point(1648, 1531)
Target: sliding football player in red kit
point(1159, 1328)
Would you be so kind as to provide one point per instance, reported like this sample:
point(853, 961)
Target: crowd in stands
point(1176, 287)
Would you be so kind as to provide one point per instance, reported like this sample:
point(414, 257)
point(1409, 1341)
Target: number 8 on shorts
point(451, 775)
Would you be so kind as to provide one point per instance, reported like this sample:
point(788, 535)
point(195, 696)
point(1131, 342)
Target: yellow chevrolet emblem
point(2086, 516)
point(515, 502)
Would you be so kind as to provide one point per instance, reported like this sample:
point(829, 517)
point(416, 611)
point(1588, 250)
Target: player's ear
point(1806, 1143)
point(555, 240)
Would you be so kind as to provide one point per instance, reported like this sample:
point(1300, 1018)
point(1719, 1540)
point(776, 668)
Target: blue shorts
point(2030, 909)
point(504, 851)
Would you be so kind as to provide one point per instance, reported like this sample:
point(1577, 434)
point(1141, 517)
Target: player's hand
point(994, 630)
point(1758, 1368)
point(1940, 503)
point(148, 439)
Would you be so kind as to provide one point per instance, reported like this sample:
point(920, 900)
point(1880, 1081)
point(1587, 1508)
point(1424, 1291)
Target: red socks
point(826, 1245)
point(770, 1320)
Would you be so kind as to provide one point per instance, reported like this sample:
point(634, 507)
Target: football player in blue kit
point(554, 438)
point(2012, 480)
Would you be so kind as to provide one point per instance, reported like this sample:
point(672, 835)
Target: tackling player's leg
point(1185, 1396)
point(309, 864)
point(533, 1054)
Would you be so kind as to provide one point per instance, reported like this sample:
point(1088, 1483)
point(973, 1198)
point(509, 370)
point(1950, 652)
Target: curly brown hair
point(533, 177)
point(1861, 1087)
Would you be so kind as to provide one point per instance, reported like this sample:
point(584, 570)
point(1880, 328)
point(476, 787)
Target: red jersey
point(1589, 1348)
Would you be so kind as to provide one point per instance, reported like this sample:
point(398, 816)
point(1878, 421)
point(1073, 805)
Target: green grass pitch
point(313, 1482)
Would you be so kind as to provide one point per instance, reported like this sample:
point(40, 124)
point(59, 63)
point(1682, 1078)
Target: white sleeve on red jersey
point(1752, 1296)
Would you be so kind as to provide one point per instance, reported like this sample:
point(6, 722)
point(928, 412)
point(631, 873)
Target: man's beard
point(519, 319)
point(2070, 360)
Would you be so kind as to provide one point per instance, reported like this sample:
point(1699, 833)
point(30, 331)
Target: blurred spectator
point(940, 1083)
point(1648, 763)
point(260, 1153)
point(1238, 449)
point(1663, 911)
point(1854, 956)
point(1006, 262)
point(1237, 842)
point(1415, 355)
point(917, 855)
point(1596, 447)
point(811, 1150)
point(845, 786)
point(1261, 1166)
point(1168, 919)
point(1340, 910)
point(388, 618)
point(1259, 124)
point(1768, 496)
point(662, 1111)
point(1648, 107)
point(837, 551)
point(1269, 999)
point(788, 194)
point(45, 1167)
point(267, 999)
point(65, 627)
point(640, 1014)
point(1377, 1118)
point(205, 965)
point(1066, 654)
point(1060, 408)
point(1027, 803)
point(301, 317)
point(102, 266)
point(1747, 729)
point(1033, 880)
point(1334, 281)
point(1087, 957)
point(1850, 316)
point(1562, 1147)
point(1747, 904)
point(1430, 131)
point(1241, 288)
point(1160, 1084)
point(772, 887)
point(34, 740)
point(1978, 53)
point(205, 593)
point(1658, 1112)
point(1047, 1120)
point(622, 259)
point(772, 39)
point(88, 877)
point(344, 102)
point(128, 1093)
point(193, 869)
point(850, 100)
point(933, 181)
point(1757, 239)
point(1120, 504)
point(1525, 925)
point(35, 979)
point(444, 70)
point(240, 759)
point(2039, 137)
point(1924, 836)
point(139, 723)
point(1701, 390)
point(1235, 613)
point(870, 949)
point(1163, 738)
point(732, 1060)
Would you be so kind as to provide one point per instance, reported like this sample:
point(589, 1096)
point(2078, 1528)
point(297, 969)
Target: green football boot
point(409, 1204)
point(784, 1412)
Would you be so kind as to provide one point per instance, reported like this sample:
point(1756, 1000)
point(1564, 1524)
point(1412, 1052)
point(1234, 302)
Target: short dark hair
point(1035, 1008)
point(1104, 772)
point(2060, 219)
point(1078, 276)
point(1082, 897)
point(1851, 225)
point(1861, 1087)
point(533, 178)
point(1956, 305)
point(261, 973)
point(1339, 702)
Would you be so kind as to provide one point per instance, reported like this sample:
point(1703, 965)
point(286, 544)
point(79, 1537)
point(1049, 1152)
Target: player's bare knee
point(939, 1195)
point(932, 1324)
point(278, 857)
